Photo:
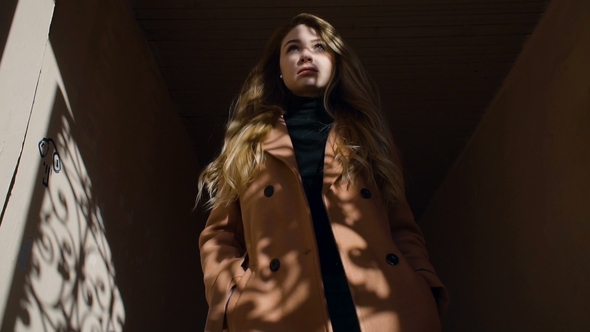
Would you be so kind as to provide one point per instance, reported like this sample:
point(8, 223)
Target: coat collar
point(279, 145)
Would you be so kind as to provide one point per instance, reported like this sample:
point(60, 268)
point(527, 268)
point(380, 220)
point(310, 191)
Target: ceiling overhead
point(438, 64)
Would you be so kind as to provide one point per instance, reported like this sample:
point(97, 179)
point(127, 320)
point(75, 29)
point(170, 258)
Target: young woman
point(309, 228)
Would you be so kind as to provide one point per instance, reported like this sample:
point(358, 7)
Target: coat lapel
point(279, 145)
point(332, 167)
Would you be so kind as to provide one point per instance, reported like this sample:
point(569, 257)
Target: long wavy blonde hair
point(351, 98)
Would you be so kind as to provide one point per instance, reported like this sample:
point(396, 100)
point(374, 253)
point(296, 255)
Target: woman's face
point(306, 64)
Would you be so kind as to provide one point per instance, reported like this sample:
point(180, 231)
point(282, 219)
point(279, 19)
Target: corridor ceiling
point(438, 64)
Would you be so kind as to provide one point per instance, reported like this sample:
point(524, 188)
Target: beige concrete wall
point(99, 218)
point(510, 228)
point(25, 36)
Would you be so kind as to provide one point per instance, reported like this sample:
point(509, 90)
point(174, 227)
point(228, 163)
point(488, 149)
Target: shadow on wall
point(7, 9)
point(64, 278)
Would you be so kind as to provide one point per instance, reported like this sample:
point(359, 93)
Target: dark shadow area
point(7, 9)
point(64, 278)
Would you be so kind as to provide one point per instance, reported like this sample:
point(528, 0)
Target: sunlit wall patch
point(70, 283)
point(64, 278)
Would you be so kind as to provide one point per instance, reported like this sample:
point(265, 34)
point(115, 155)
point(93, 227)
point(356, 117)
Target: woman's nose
point(305, 56)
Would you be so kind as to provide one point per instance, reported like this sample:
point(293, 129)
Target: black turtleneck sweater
point(309, 124)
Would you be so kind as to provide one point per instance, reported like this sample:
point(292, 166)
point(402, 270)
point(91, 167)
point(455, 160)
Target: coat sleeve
point(222, 252)
point(409, 239)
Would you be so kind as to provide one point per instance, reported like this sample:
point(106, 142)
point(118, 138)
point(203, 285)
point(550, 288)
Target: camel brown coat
point(261, 265)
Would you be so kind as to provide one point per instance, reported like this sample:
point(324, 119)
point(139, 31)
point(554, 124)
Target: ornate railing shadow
point(64, 279)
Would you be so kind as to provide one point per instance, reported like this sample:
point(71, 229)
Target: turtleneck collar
point(307, 107)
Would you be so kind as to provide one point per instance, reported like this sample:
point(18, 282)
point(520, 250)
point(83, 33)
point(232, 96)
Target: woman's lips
point(307, 71)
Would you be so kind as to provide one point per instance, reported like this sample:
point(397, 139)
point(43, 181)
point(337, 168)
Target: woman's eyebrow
point(292, 41)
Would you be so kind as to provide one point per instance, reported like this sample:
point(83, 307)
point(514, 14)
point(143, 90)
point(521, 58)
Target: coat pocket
point(234, 298)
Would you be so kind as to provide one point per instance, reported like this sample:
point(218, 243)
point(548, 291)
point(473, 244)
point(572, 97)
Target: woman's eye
point(292, 48)
point(320, 47)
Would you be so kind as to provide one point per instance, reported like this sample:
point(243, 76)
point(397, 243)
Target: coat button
point(392, 259)
point(366, 193)
point(268, 191)
point(275, 264)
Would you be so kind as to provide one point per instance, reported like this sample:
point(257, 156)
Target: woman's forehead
point(300, 33)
